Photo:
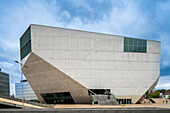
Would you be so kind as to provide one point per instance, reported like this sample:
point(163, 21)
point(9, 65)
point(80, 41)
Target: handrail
point(110, 93)
point(92, 92)
point(29, 102)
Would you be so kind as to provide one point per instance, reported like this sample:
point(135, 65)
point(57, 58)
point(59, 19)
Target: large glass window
point(58, 98)
point(135, 45)
point(25, 43)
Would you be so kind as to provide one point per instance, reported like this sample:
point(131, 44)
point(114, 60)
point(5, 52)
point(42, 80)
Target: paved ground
point(83, 106)
point(115, 106)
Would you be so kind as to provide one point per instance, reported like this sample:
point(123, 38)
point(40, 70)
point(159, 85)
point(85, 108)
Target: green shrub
point(155, 95)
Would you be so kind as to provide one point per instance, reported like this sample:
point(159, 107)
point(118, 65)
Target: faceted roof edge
point(85, 31)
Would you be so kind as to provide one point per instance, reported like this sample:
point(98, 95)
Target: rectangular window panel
point(139, 48)
point(25, 38)
point(126, 41)
point(135, 42)
point(135, 45)
point(26, 50)
point(130, 48)
point(126, 48)
point(130, 41)
point(25, 43)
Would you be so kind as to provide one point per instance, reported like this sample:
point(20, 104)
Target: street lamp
point(22, 82)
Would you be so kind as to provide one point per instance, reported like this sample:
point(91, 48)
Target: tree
point(155, 95)
point(162, 91)
point(169, 96)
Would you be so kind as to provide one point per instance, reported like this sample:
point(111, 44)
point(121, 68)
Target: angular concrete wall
point(98, 61)
point(45, 78)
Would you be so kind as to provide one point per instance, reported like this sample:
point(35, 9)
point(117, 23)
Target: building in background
point(28, 93)
point(66, 66)
point(167, 94)
point(4, 84)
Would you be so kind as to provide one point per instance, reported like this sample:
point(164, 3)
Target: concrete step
point(103, 100)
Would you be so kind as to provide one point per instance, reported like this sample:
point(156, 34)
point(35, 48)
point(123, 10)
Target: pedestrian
point(109, 96)
point(55, 101)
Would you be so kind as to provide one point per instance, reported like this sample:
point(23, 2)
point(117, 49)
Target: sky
point(146, 19)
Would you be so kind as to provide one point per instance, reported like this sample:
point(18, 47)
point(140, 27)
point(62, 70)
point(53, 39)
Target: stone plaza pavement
point(127, 106)
point(84, 108)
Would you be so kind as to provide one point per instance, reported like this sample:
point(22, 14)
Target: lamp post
point(21, 82)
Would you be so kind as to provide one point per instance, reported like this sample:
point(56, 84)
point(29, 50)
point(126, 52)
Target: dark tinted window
point(135, 45)
point(58, 98)
point(26, 50)
point(25, 43)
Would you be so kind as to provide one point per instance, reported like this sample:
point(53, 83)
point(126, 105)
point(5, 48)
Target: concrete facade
point(89, 61)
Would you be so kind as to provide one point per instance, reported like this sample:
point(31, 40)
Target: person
point(109, 96)
point(54, 101)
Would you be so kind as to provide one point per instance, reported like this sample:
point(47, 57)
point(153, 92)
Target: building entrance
point(58, 98)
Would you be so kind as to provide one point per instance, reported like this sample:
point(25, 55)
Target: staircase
point(103, 100)
point(98, 99)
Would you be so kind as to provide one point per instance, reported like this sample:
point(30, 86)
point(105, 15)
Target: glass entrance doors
point(58, 98)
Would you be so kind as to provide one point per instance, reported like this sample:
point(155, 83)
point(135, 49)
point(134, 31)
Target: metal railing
point(28, 102)
point(92, 92)
point(111, 94)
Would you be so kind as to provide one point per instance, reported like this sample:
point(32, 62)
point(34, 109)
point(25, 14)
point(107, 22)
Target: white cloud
point(122, 20)
point(164, 82)
point(82, 4)
point(6, 65)
point(165, 49)
point(164, 6)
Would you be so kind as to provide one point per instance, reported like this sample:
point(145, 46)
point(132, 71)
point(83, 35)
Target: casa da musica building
point(65, 65)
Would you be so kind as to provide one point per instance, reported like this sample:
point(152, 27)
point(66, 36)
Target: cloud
point(81, 4)
point(6, 65)
point(164, 82)
point(164, 7)
point(165, 49)
point(122, 20)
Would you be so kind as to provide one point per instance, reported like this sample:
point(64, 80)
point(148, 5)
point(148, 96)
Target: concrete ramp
point(14, 102)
